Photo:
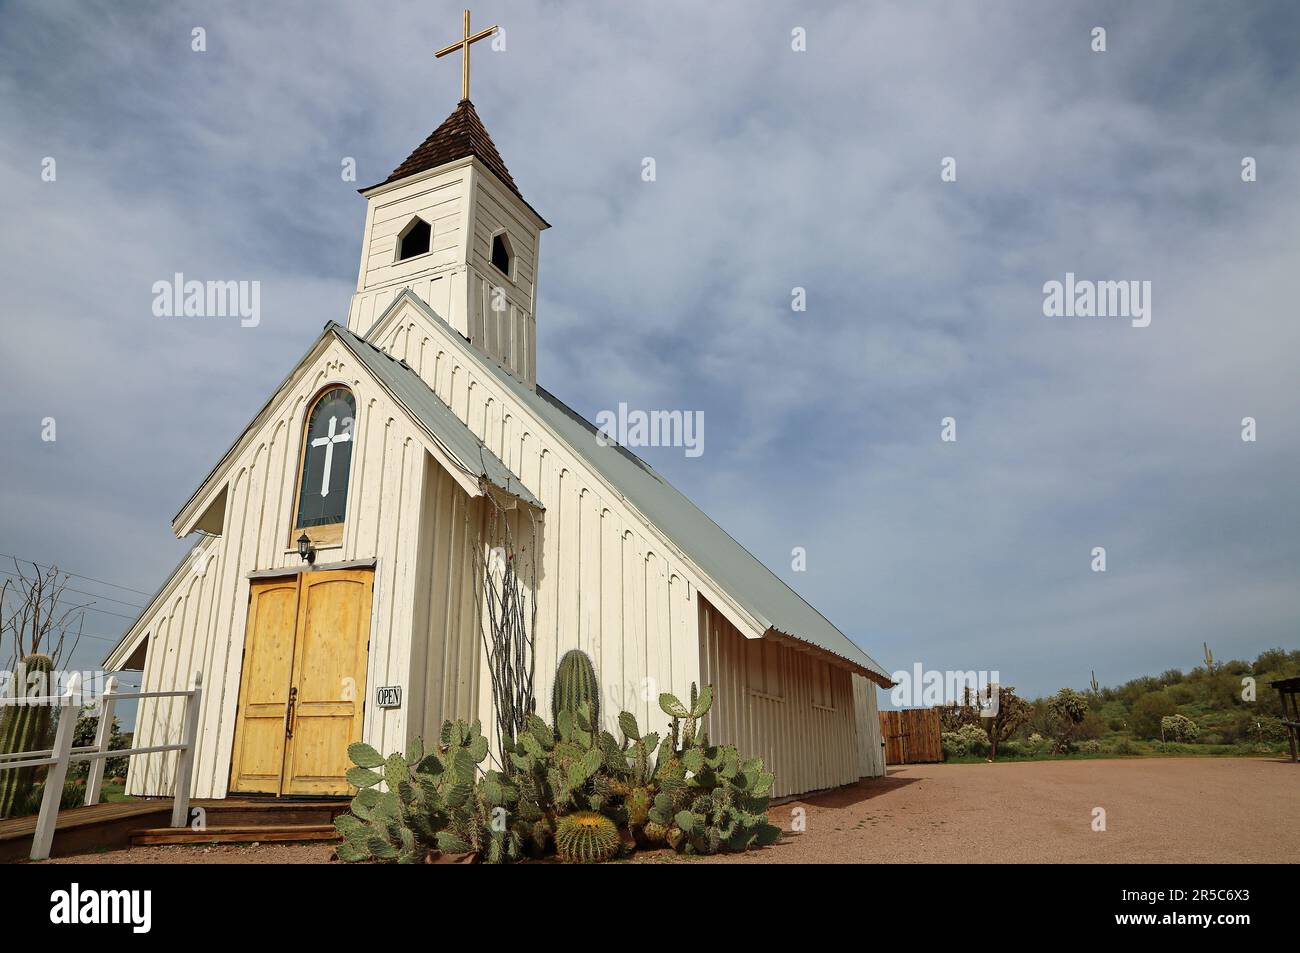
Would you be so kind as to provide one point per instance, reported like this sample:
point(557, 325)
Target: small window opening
point(414, 240)
point(501, 253)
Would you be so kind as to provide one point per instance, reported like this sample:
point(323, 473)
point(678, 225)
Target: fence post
point(58, 772)
point(104, 735)
point(185, 764)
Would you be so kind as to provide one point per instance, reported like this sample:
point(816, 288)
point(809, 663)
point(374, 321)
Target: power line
point(70, 636)
point(78, 575)
point(94, 595)
point(128, 618)
point(89, 608)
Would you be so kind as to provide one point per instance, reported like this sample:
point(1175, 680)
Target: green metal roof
point(410, 390)
point(732, 567)
point(762, 593)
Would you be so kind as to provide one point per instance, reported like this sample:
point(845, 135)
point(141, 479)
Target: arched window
point(502, 254)
point(415, 239)
point(326, 463)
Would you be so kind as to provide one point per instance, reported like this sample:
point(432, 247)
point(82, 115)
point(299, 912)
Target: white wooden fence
point(63, 753)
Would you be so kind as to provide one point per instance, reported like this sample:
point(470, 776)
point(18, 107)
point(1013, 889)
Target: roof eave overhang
point(751, 625)
point(834, 658)
point(187, 518)
point(469, 161)
point(208, 492)
point(473, 481)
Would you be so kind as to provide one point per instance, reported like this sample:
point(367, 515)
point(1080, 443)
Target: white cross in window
point(328, 442)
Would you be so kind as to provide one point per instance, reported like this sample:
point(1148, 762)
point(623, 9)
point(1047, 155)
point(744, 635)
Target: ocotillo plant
point(25, 728)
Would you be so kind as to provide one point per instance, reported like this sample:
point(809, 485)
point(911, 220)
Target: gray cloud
point(775, 169)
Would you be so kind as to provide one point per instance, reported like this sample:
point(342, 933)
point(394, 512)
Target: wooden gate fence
point(911, 735)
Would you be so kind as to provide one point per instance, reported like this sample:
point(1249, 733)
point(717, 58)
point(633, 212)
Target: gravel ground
point(305, 853)
point(1158, 810)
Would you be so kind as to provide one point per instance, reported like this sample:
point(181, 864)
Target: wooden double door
point(303, 687)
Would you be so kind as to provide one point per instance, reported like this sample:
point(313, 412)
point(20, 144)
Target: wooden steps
point(229, 820)
point(234, 834)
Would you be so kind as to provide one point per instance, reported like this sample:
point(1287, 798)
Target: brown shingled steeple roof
point(461, 134)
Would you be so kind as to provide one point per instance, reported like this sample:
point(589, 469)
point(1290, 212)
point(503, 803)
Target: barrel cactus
point(575, 685)
point(586, 837)
point(25, 728)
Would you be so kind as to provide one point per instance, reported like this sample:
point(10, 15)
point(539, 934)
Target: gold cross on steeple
point(463, 45)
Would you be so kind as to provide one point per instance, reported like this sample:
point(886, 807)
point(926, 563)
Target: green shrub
point(1266, 728)
point(1147, 712)
point(1122, 745)
point(1068, 710)
point(74, 795)
point(968, 741)
point(1178, 728)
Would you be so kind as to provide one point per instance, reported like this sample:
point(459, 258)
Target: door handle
point(288, 712)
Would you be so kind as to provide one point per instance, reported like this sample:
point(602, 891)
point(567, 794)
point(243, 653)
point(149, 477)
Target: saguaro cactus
point(25, 728)
point(575, 684)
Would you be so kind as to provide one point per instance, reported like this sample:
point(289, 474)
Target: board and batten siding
point(201, 622)
point(465, 208)
point(505, 327)
point(446, 663)
point(607, 585)
point(440, 201)
point(871, 753)
point(791, 707)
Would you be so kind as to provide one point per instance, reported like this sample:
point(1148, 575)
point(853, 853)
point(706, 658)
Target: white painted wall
point(871, 753)
point(201, 622)
point(609, 584)
point(794, 708)
point(466, 205)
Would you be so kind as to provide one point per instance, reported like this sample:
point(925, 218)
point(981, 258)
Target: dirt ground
point(1157, 810)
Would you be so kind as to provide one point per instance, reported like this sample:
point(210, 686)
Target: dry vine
point(507, 607)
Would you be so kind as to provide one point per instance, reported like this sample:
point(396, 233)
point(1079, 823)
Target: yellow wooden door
point(329, 680)
point(258, 758)
point(300, 708)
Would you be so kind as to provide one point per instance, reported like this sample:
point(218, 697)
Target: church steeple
point(461, 134)
point(451, 224)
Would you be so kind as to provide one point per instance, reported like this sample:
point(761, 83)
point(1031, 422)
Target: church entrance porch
point(302, 688)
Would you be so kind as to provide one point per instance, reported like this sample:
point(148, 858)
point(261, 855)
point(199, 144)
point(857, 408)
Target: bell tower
point(451, 224)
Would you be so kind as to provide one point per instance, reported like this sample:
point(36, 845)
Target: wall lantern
point(306, 550)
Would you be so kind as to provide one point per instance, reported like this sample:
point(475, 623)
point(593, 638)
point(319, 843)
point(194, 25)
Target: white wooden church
point(382, 456)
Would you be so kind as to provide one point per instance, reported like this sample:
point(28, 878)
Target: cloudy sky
point(776, 169)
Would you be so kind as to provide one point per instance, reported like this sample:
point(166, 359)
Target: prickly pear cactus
point(25, 728)
point(400, 825)
point(705, 799)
